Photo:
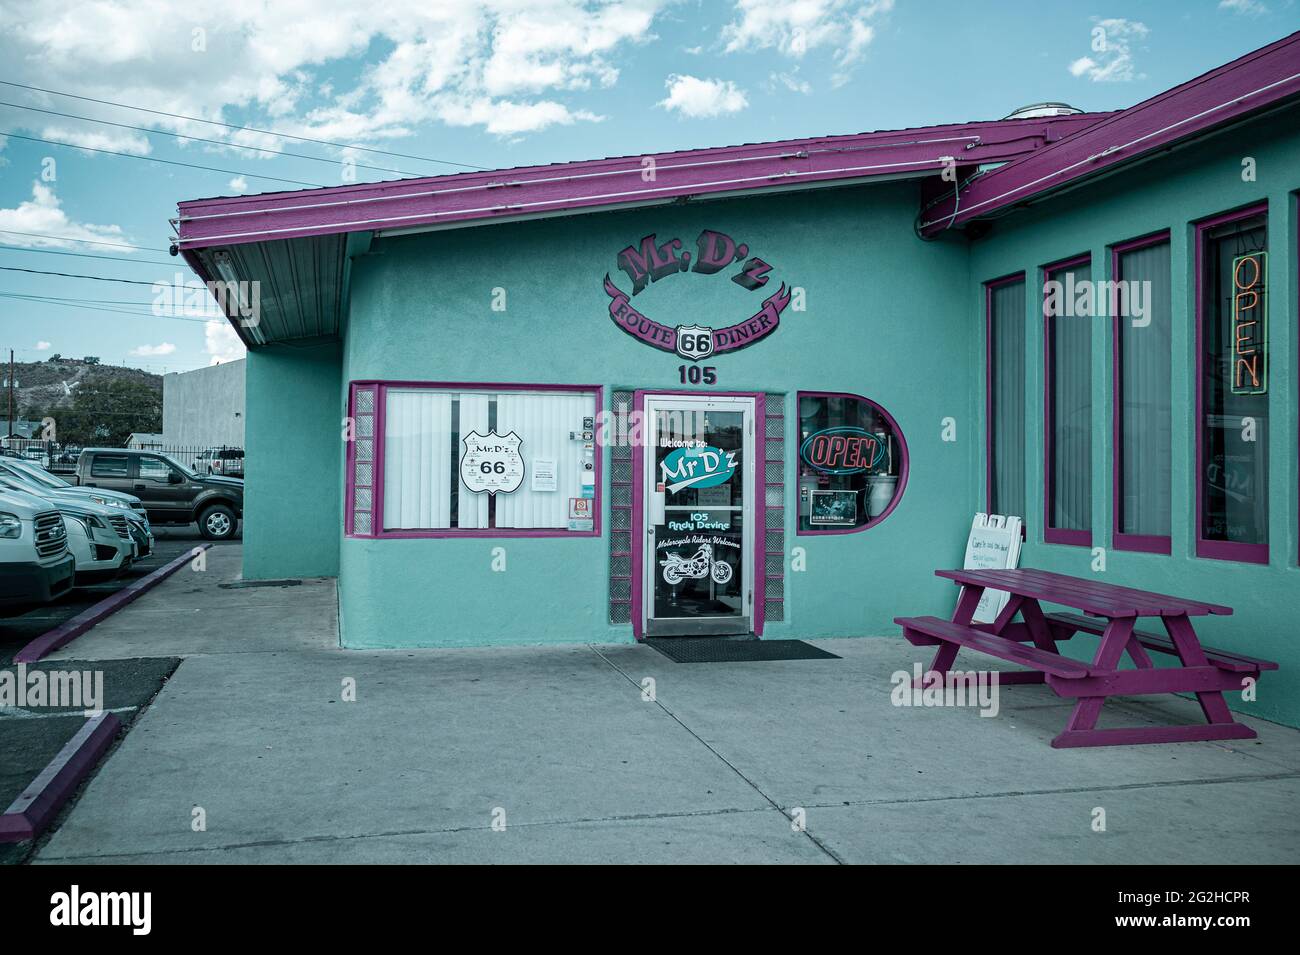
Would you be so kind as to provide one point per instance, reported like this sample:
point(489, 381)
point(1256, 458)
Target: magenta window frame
point(381, 387)
point(903, 466)
point(989, 410)
point(1216, 550)
point(1056, 535)
point(1142, 543)
point(761, 507)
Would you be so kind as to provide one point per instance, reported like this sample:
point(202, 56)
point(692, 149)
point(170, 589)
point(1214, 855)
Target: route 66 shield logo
point(694, 341)
point(492, 462)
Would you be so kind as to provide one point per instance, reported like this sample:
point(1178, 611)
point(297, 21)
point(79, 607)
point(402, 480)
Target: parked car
point(44, 484)
point(171, 492)
point(98, 537)
point(35, 564)
point(227, 461)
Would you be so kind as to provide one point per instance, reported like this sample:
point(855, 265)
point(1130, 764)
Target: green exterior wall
point(885, 312)
point(292, 494)
point(1173, 193)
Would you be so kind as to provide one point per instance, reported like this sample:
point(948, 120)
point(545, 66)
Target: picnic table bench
point(1110, 611)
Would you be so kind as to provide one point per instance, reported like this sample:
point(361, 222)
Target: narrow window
point(1069, 308)
point(1142, 325)
point(1005, 395)
point(1233, 385)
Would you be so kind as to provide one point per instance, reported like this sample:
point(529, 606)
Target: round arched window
point(852, 463)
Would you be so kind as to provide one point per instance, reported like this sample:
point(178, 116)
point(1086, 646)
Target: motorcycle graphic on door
point(701, 564)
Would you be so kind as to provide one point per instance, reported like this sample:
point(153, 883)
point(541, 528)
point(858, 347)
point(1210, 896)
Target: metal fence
point(62, 459)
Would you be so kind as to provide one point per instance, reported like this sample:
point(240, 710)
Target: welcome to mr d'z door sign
point(650, 260)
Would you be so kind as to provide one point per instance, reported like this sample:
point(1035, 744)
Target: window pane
point(1008, 391)
point(110, 465)
point(1069, 429)
point(1146, 417)
point(1234, 479)
point(426, 455)
point(153, 469)
point(850, 460)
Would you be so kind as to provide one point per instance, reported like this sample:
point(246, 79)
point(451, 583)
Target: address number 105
point(694, 374)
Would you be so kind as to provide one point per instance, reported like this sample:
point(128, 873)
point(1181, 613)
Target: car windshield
point(41, 477)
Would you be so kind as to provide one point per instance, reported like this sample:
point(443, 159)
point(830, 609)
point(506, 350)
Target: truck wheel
point(217, 523)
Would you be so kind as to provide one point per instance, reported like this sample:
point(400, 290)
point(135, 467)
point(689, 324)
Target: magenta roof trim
point(1247, 85)
point(559, 187)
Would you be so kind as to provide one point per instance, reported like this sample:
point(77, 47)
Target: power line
point(199, 139)
point(87, 255)
point(167, 162)
point(251, 129)
point(69, 275)
point(67, 238)
point(122, 311)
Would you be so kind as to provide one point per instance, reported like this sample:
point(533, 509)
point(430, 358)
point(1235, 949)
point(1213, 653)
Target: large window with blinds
point(1232, 391)
point(496, 461)
point(1142, 320)
point(1005, 395)
point(1069, 309)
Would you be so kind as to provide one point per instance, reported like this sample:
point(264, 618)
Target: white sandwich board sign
point(994, 544)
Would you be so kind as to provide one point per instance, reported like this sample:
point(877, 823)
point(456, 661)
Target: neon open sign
point(845, 450)
point(1249, 325)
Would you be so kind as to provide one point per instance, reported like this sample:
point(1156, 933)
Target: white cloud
point(796, 27)
point(699, 99)
point(147, 351)
point(238, 184)
point(1249, 7)
point(1082, 65)
point(1112, 42)
point(509, 66)
point(43, 346)
point(43, 214)
point(221, 343)
point(790, 81)
point(119, 141)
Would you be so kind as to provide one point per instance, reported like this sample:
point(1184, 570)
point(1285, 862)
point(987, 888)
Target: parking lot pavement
point(30, 736)
point(17, 632)
point(559, 754)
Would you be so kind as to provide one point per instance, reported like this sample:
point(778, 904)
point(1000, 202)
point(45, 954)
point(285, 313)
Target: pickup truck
point(171, 492)
point(35, 564)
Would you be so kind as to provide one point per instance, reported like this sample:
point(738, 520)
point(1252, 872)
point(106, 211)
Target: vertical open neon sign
point(1249, 325)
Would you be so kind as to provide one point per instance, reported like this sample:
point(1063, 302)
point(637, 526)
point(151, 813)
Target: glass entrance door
point(699, 491)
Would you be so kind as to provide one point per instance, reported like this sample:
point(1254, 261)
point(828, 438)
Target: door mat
point(732, 650)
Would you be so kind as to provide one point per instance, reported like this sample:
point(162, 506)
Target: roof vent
point(1039, 110)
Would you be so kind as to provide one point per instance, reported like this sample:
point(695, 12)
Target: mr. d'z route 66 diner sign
point(651, 260)
point(492, 462)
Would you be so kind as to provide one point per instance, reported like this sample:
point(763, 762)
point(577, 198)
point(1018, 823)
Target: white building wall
point(205, 408)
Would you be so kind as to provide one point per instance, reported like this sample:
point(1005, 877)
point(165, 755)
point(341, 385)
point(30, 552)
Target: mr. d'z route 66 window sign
point(492, 462)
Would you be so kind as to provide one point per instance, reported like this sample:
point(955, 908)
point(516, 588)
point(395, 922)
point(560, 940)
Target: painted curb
point(32, 811)
point(69, 630)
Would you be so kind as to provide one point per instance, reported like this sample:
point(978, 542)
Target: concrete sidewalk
point(560, 745)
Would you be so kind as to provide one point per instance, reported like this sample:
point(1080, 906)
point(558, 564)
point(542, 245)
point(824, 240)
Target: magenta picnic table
point(1111, 613)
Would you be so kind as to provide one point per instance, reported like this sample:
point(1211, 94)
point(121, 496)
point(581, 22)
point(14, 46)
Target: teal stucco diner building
point(765, 388)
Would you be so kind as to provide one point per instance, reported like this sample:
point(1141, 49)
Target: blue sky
point(488, 84)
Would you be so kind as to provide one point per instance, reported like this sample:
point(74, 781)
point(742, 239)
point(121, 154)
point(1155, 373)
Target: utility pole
point(10, 432)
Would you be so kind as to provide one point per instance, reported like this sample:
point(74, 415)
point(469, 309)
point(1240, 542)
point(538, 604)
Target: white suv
point(35, 565)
